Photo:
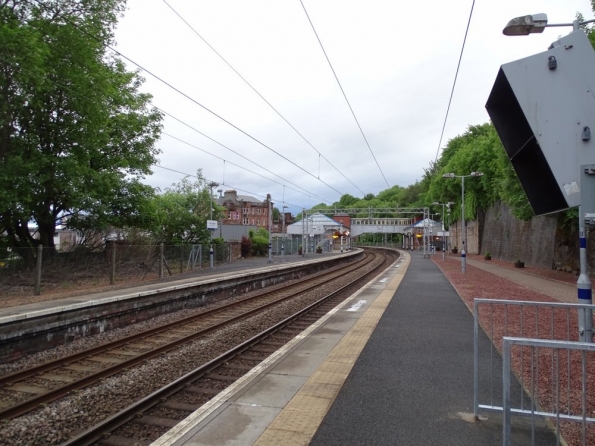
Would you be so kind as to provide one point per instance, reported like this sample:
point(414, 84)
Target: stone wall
point(472, 236)
point(539, 242)
point(507, 238)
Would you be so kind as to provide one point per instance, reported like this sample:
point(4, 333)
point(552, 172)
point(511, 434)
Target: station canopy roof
point(426, 223)
point(315, 224)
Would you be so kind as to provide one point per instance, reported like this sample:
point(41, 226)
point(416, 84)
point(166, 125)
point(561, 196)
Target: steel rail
point(97, 432)
point(61, 391)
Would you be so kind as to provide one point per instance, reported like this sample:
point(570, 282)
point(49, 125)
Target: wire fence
point(39, 270)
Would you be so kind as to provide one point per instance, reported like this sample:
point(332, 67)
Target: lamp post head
point(525, 25)
point(476, 174)
point(448, 175)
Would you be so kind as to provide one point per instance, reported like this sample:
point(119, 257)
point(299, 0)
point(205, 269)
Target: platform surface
point(391, 366)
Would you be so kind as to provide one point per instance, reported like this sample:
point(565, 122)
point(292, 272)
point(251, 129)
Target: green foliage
point(76, 134)
point(180, 214)
point(478, 149)
point(259, 242)
point(260, 246)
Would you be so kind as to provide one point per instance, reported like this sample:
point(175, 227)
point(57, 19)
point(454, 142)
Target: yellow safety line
point(296, 424)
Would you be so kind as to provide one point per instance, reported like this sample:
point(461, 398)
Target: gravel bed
point(84, 343)
point(59, 420)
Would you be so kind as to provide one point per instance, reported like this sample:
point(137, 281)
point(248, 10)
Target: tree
point(180, 214)
point(76, 136)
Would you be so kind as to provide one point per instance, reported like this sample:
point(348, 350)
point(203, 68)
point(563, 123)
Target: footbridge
point(380, 226)
point(360, 221)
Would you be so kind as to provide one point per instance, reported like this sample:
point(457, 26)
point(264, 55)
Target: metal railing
point(562, 404)
point(524, 319)
point(547, 321)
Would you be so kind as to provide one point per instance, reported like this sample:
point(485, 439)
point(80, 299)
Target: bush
point(260, 246)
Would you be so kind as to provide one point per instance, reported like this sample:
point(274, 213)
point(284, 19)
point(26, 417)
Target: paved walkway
point(564, 292)
point(413, 382)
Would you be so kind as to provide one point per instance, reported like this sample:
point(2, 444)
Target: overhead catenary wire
point(261, 96)
point(344, 95)
point(235, 152)
point(455, 82)
point(303, 190)
point(192, 99)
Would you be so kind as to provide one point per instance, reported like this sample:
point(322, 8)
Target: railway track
point(146, 420)
point(23, 391)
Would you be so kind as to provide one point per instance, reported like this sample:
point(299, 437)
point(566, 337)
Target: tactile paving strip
point(297, 423)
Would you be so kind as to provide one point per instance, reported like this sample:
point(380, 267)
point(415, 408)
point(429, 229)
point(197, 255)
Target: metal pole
point(304, 222)
point(443, 236)
point(283, 236)
point(212, 184)
point(270, 225)
point(506, 412)
point(463, 252)
point(585, 319)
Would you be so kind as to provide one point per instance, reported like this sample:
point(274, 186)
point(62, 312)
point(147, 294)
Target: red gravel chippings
point(476, 283)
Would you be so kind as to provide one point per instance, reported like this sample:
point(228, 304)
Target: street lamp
point(283, 234)
point(464, 229)
point(522, 26)
point(536, 23)
point(443, 230)
point(211, 185)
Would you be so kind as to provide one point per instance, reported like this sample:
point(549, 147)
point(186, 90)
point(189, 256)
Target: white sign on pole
point(211, 225)
point(444, 233)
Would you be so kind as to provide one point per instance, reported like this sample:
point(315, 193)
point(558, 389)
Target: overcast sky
point(396, 61)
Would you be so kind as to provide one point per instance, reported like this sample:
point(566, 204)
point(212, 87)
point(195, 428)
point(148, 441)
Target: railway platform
point(391, 366)
point(85, 299)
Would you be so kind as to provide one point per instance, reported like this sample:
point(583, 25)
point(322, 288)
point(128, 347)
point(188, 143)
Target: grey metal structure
point(376, 220)
point(379, 225)
point(543, 108)
point(234, 232)
point(566, 414)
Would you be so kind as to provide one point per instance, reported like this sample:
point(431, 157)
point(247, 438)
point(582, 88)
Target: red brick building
point(243, 210)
